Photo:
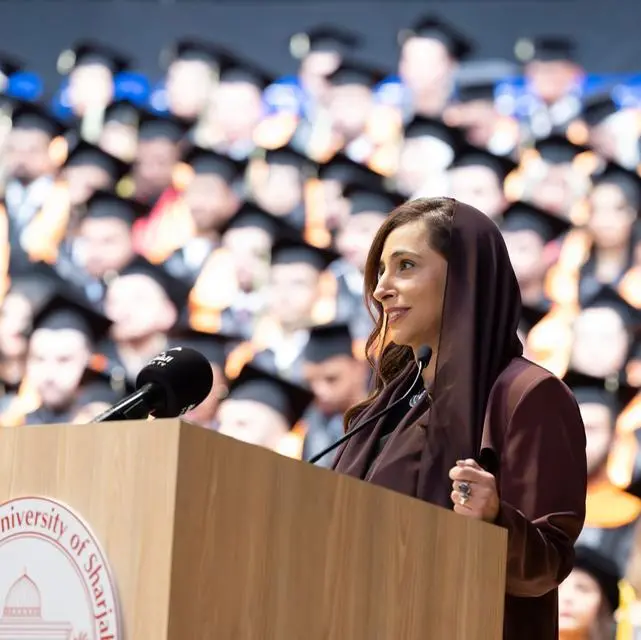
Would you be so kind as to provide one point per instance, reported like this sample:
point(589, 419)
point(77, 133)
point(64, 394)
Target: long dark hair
point(438, 215)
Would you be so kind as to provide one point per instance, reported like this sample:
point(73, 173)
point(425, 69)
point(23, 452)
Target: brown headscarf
point(481, 313)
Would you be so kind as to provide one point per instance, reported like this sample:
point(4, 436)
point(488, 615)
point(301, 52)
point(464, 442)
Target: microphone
point(172, 383)
point(423, 357)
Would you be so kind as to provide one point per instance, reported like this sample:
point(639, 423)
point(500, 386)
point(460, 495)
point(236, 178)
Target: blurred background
point(211, 174)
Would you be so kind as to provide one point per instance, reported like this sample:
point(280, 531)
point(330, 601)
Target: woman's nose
point(383, 291)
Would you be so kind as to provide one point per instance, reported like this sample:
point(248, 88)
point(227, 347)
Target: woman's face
point(579, 602)
point(411, 286)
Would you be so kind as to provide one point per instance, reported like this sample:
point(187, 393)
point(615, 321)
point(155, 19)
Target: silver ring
point(465, 490)
point(463, 499)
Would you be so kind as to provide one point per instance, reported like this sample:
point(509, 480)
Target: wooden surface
point(264, 547)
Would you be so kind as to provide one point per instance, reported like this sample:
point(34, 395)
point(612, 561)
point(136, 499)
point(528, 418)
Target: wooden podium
point(208, 537)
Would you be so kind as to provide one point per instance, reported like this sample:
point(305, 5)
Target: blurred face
point(349, 108)
point(314, 69)
point(480, 187)
point(205, 412)
point(250, 248)
point(579, 602)
point(599, 428)
point(336, 207)
point(603, 139)
point(281, 190)
point(336, 383)
point(251, 422)
point(600, 344)
point(526, 250)
point(411, 286)
point(554, 190)
point(419, 159)
point(16, 314)
point(120, 140)
point(552, 80)
point(189, 83)
point(611, 218)
point(237, 108)
point(27, 155)
point(138, 307)
point(106, 245)
point(356, 235)
point(90, 87)
point(211, 201)
point(83, 181)
point(477, 117)
point(56, 362)
point(423, 63)
point(291, 294)
point(154, 166)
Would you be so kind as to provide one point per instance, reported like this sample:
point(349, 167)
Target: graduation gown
point(187, 262)
point(49, 416)
point(350, 306)
point(320, 432)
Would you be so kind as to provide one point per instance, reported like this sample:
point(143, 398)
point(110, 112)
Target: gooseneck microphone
point(172, 383)
point(423, 357)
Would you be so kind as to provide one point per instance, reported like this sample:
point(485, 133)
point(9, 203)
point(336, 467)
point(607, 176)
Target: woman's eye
point(406, 264)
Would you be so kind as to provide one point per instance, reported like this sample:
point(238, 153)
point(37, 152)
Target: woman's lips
point(396, 313)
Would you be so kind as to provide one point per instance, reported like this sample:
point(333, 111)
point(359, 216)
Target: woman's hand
point(474, 491)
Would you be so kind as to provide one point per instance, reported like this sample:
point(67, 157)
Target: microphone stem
point(137, 406)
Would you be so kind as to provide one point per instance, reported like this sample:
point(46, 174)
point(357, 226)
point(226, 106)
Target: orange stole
point(625, 448)
point(316, 232)
point(43, 235)
point(291, 444)
point(608, 507)
point(276, 130)
point(25, 402)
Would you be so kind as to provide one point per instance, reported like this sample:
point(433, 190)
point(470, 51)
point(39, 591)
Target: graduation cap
point(122, 112)
point(250, 216)
point(92, 52)
point(65, 310)
point(472, 90)
point(290, 157)
point(557, 149)
point(236, 70)
point(356, 72)
point(214, 346)
point(323, 38)
point(288, 399)
point(371, 200)
point(468, 155)
point(344, 170)
point(598, 107)
point(603, 569)
point(177, 291)
point(86, 154)
point(613, 393)
point(106, 204)
point(208, 162)
point(628, 181)
point(422, 127)
point(296, 251)
point(433, 28)
point(29, 115)
point(608, 298)
point(152, 126)
point(328, 341)
point(195, 50)
point(545, 49)
point(523, 216)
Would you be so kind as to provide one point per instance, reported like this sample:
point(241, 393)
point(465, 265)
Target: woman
point(438, 274)
point(589, 597)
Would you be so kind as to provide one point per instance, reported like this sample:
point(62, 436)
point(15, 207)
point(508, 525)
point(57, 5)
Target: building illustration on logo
point(22, 615)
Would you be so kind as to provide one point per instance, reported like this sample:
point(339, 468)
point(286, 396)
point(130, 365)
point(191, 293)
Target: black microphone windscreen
point(185, 379)
point(424, 355)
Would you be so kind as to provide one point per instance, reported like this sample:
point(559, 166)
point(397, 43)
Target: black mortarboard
point(614, 394)
point(9, 65)
point(177, 290)
point(557, 149)
point(523, 216)
point(65, 310)
point(545, 49)
point(123, 112)
point(206, 161)
point(214, 346)
point(250, 215)
point(628, 181)
point(421, 127)
point(323, 38)
point(609, 298)
point(193, 49)
point(154, 125)
point(366, 200)
point(356, 72)
point(472, 89)
point(603, 569)
point(295, 251)
point(470, 156)
point(328, 341)
point(86, 154)
point(598, 107)
point(28, 115)
point(92, 52)
point(235, 69)
point(434, 28)
point(345, 170)
point(288, 156)
point(106, 204)
point(288, 399)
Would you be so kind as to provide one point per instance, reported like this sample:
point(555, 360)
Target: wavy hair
point(388, 360)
